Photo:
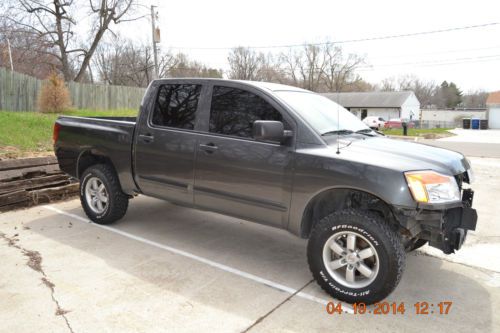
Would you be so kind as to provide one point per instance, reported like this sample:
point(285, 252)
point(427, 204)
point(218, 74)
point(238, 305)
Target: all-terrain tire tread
point(325, 224)
point(118, 202)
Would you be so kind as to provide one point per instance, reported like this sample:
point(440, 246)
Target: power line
point(413, 34)
point(439, 62)
point(414, 55)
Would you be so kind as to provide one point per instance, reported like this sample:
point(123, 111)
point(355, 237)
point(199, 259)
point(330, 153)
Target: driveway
point(168, 268)
point(474, 136)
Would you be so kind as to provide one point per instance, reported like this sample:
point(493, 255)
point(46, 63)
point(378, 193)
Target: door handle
point(147, 138)
point(209, 147)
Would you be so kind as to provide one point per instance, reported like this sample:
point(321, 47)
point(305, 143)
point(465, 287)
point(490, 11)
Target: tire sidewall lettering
point(326, 276)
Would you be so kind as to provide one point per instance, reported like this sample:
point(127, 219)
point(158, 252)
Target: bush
point(54, 95)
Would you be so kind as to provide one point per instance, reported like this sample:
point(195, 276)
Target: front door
point(235, 174)
point(165, 144)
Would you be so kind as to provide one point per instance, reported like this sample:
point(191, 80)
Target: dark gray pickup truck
point(280, 156)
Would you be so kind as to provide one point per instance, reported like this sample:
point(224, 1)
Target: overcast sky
point(470, 58)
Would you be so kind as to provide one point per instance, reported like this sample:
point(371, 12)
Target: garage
point(493, 103)
point(385, 104)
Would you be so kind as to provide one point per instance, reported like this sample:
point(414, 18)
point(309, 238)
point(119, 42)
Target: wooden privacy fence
point(19, 92)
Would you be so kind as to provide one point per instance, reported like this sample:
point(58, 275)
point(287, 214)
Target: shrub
point(54, 95)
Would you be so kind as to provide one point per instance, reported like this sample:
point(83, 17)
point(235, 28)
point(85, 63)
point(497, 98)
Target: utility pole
point(155, 39)
point(10, 56)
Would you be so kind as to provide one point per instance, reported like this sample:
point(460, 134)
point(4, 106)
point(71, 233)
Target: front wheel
point(101, 195)
point(355, 256)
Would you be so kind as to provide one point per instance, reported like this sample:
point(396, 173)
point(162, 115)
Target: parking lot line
point(346, 307)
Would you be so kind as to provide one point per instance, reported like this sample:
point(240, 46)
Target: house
point(493, 104)
point(385, 104)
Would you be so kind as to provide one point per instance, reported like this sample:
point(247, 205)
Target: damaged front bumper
point(445, 228)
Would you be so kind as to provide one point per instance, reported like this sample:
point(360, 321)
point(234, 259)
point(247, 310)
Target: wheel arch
point(88, 158)
point(333, 199)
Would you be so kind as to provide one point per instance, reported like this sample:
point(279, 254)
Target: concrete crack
point(260, 319)
point(35, 263)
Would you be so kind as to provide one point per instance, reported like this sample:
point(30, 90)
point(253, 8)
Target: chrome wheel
point(351, 259)
point(96, 195)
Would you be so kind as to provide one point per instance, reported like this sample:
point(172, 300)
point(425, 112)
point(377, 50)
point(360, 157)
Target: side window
point(233, 111)
point(176, 105)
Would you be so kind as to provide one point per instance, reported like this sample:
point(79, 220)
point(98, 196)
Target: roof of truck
point(259, 84)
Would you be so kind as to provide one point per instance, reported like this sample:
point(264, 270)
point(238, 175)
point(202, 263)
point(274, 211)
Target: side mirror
point(269, 130)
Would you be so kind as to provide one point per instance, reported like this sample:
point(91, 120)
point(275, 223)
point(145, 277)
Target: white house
point(493, 104)
point(385, 104)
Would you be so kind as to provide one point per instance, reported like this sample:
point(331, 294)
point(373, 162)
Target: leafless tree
point(244, 63)
point(56, 21)
point(475, 99)
point(310, 64)
point(425, 91)
point(181, 66)
point(388, 84)
point(339, 73)
point(30, 55)
point(123, 62)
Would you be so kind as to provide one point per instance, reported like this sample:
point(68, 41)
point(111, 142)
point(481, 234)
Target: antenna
point(338, 122)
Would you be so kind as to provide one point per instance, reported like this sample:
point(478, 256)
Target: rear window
point(176, 105)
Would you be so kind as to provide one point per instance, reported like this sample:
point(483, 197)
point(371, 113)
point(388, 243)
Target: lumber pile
point(32, 181)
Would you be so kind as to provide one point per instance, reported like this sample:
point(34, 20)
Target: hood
point(399, 154)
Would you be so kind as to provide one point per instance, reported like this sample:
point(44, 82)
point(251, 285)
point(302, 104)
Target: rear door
point(166, 140)
point(235, 174)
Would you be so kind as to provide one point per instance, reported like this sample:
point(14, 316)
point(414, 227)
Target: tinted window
point(176, 105)
point(234, 111)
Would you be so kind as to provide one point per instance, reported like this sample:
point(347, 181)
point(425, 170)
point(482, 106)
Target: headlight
point(432, 187)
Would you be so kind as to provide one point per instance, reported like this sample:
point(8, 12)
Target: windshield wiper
point(366, 131)
point(338, 132)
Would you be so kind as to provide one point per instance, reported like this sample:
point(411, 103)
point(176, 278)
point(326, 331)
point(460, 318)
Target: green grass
point(31, 132)
point(418, 132)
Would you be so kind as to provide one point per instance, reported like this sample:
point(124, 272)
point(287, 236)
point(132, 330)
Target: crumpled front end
point(444, 226)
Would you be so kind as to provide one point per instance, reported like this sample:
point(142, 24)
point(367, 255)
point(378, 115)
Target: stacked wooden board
point(31, 181)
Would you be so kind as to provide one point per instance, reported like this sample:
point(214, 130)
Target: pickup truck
point(281, 156)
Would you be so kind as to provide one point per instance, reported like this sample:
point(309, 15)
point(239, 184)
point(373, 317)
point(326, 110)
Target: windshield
point(321, 113)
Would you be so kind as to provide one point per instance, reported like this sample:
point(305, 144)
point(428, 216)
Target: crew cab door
point(166, 141)
point(235, 174)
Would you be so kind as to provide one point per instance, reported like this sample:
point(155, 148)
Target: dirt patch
point(34, 260)
point(435, 136)
point(10, 152)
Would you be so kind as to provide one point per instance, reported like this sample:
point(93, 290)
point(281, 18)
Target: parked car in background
point(374, 122)
point(398, 123)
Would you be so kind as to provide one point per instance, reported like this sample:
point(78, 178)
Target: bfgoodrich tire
point(101, 195)
point(355, 256)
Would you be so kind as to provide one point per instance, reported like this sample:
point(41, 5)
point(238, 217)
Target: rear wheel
point(101, 195)
point(355, 256)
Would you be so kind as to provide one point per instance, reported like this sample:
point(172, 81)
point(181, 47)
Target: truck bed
point(108, 137)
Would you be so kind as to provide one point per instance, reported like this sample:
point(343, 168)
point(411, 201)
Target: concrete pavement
point(173, 269)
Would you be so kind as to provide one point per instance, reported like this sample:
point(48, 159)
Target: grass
point(30, 133)
point(433, 132)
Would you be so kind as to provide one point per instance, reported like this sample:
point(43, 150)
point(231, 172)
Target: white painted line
point(346, 307)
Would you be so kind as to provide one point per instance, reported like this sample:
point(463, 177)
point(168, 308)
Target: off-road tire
point(386, 241)
point(118, 201)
